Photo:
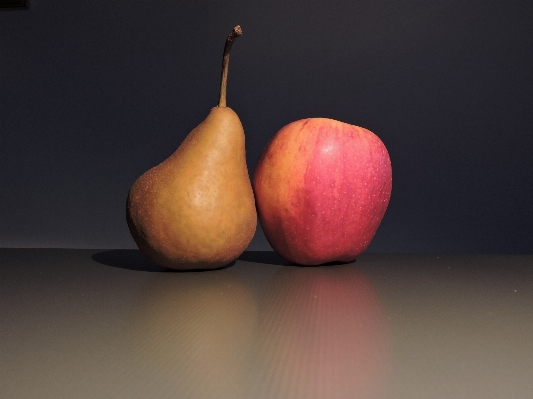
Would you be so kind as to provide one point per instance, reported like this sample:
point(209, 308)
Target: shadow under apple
point(273, 258)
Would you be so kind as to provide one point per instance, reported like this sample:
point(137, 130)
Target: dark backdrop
point(94, 93)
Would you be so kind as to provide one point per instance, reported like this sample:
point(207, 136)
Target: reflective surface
point(111, 324)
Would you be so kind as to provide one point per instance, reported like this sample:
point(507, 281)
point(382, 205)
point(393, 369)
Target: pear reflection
point(322, 335)
point(196, 330)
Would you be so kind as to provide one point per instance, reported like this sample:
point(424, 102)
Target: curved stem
point(235, 33)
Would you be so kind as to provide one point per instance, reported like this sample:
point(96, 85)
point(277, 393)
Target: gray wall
point(94, 93)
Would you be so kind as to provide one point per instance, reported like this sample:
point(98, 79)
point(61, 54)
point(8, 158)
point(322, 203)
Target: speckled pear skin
point(196, 210)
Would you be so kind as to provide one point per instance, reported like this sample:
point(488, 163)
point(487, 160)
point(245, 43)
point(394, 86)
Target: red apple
point(322, 188)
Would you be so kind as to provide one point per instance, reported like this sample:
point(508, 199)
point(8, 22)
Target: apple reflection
point(322, 334)
point(194, 334)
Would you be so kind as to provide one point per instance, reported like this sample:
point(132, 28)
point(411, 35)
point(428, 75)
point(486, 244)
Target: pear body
point(196, 209)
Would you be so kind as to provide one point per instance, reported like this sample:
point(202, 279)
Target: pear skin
point(196, 210)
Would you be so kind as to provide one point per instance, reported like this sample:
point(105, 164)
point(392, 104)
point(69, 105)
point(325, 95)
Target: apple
point(322, 188)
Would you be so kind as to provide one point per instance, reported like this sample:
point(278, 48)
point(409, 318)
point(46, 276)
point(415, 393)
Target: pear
point(196, 209)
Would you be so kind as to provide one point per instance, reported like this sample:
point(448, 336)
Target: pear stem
point(235, 33)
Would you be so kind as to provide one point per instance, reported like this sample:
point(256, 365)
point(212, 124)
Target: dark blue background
point(94, 93)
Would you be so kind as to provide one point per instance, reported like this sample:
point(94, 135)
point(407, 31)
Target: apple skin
point(322, 188)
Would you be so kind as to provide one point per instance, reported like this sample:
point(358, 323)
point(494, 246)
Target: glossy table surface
point(111, 324)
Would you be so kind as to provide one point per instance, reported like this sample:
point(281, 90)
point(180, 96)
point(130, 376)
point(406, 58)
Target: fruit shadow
point(133, 259)
point(272, 258)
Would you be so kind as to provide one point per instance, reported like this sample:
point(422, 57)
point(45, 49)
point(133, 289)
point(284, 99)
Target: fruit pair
point(321, 190)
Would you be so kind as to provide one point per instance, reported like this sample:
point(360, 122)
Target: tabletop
point(111, 324)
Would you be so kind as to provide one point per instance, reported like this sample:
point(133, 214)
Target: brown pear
point(196, 209)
